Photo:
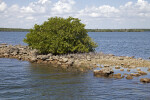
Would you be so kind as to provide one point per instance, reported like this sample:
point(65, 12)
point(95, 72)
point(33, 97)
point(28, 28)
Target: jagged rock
point(43, 57)
point(70, 62)
point(6, 54)
point(34, 52)
point(11, 50)
point(129, 77)
point(118, 76)
point(88, 58)
point(55, 57)
point(145, 80)
point(138, 69)
point(128, 70)
point(64, 59)
point(106, 65)
point(97, 57)
point(142, 73)
point(132, 66)
point(148, 69)
point(117, 67)
point(121, 58)
point(103, 72)
point(121, 69)
point(33, 59)
point(135, 74)
point(14, 53)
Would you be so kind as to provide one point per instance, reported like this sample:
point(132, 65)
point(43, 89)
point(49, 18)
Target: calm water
point(21, 80)
point(123, 43)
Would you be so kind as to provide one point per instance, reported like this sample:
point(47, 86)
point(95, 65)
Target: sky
point(96, 14)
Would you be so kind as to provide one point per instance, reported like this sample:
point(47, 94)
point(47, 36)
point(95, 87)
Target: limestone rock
point(43, 57)
point(129, 77)
point(128, 70)
point(142, 73)
point(106, 65)
point(145, 80)
point(148, 69)
point(117, 67)
point(70, 62)
point(118, 76)
point(103, 72)
point(64, 59)
point(121, 69)
point(138, 69)
point(135, 74)
point(88, 58)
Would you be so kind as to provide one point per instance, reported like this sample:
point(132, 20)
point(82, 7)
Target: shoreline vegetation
point(13, 30)
point(89, 30)
point(118, 30)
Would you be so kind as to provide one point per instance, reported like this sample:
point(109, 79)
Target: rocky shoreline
point(80, 62)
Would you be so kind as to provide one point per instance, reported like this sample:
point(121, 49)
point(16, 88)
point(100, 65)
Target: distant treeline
point(89, 30)
point(13, 30)
point(118, 30)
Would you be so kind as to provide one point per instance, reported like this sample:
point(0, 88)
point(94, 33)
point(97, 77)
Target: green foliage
point(13, 30)
point(60, 36)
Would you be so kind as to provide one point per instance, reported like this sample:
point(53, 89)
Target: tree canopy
point(60, 36)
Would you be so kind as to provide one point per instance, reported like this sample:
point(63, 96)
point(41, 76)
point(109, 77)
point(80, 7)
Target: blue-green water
point(21, 80)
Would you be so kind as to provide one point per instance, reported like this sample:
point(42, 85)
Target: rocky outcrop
point(135, 74)
point(118, 76)
point(104, 72)
point(145, 80)
point(84, 60)
point(128, 70)
point(121, 69)
point(129, 77)
point(117, 67)
point(142, 73)
point(138, 69)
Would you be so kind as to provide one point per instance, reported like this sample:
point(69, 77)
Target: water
point(21, 80)
point(123, 43)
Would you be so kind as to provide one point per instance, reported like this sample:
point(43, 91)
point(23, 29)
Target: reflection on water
point(22, 80)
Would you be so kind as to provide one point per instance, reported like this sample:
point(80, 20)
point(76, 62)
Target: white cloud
point(42, 1)
point(27, 10)
point(2, 6)
point(63, 6)
point(30, 18)
point(101, 11)
point(105, 16)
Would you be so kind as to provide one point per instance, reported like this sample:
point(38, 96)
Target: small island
point(89, 30)
point(64, 43)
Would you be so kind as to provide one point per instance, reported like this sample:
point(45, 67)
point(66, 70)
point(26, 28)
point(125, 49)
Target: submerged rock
point(121, 69)
point(135, 74)
point(142, 73)
point(129, 77)
point(106, 65)
point(145, 80)
point(138, 69)
point(128, 70)
point(118, 76)
point(117, 67)
point(105, 72)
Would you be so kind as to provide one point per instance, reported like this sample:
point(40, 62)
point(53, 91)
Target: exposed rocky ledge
point(83, 62)
point(80, 62)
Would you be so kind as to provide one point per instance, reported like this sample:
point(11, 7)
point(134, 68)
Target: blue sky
point(104, 14)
